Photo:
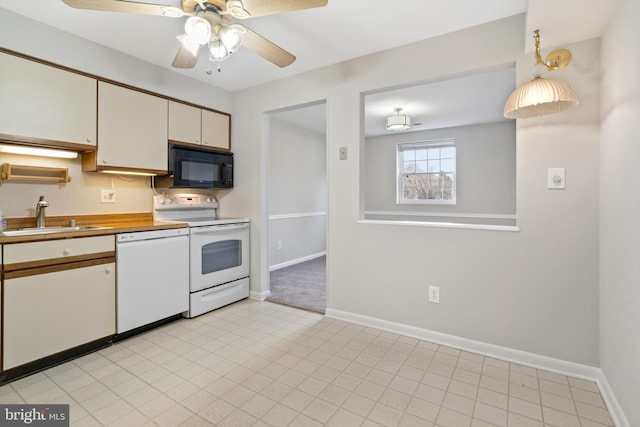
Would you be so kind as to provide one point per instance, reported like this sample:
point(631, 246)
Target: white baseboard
point(559, 366)
point(615, 410)
point(297, 261)
point(563, 367)
point(259, 296)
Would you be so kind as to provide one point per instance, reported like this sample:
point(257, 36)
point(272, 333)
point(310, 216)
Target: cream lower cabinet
point(42, 102)
point(57, 295)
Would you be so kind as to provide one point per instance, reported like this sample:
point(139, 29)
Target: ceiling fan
point(209, 25)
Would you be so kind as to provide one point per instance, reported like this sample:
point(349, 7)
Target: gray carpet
point(301, 285)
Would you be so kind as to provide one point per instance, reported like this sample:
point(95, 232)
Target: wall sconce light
point(542, 96)
point(398, 121)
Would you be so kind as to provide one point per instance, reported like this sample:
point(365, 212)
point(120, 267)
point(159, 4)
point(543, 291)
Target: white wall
point(297, 193)
point(81, 195)
point(535, 290)
point(620, 209)
point(485, 175)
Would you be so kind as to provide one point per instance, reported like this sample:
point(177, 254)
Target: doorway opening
point(297, 206)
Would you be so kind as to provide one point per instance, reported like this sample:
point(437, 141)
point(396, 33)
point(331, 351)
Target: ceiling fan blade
point(185, 59)
point(254, 8)
point(126, 7)
point(267, 49)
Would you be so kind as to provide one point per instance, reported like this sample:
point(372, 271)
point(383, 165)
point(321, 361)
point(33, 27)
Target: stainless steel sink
point(49, 230)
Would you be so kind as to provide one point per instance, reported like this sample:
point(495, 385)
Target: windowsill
point(442, 225)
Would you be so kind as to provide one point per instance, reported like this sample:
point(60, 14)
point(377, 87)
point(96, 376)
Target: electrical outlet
point(434, 294)
point(279, 245)
point(107, 196)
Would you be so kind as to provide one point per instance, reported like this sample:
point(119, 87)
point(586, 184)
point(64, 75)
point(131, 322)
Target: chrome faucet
point(40, 212)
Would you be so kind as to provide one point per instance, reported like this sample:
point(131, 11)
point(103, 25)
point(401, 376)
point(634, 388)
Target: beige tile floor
point(264, 364)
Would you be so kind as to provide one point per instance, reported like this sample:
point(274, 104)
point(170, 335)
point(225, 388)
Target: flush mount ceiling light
point(543, 96)
point(398, 121)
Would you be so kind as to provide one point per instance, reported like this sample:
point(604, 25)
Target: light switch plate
point(555, 179)
point(343, 153)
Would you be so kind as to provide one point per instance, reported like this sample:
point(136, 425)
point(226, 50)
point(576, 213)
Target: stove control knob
point(161, 200)
point(208, 200)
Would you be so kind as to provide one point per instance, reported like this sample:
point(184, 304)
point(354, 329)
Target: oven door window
point(218, 256)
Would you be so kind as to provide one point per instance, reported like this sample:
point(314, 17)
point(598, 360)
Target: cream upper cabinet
point(44, 102)
point(198, 126)
point(132, 130)
point(184, 123)
point(215, 130)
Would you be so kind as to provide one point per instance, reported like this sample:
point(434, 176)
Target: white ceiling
point(342, 30)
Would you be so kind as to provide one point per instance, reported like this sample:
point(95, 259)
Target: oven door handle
point(211, 229)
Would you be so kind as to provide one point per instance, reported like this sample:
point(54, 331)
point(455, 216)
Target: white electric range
point(218, 250)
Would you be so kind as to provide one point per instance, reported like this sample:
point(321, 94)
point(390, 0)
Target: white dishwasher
point(152, 276)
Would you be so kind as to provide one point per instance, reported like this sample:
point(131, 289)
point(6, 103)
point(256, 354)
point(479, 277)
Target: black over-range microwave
point(194, 167)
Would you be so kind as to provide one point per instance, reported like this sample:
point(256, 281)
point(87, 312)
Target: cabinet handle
point(107, 270)
point(104, 161)
point(88, 139)
point(197, 139)
point(66, 252)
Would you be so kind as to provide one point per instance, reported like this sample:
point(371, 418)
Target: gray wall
point(620, 209)
point(485, 175)
point(297, 193)
point(535, 290)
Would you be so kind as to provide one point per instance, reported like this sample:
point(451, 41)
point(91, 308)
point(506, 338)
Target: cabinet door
point(44, 102)
point(132, 129)
point(48, 313)
point(184, 123)
point(215, 130)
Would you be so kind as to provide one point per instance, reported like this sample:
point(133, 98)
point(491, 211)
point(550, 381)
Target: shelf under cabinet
point(34, 173)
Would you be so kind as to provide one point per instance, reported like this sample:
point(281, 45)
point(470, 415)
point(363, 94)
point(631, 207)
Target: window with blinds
point(426, 172)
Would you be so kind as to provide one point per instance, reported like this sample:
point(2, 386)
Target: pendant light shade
point(540, 97)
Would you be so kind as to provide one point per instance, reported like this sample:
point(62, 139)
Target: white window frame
point(403, 146)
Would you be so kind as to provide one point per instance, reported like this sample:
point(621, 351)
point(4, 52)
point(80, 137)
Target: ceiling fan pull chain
point(210, 71)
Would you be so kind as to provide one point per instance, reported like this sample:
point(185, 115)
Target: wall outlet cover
point(107, 196)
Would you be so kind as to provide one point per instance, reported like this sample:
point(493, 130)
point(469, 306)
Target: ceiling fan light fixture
point(218, 51)
point(231, 36)
point(398, 122)
point(189, 43)
point(198, 29)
